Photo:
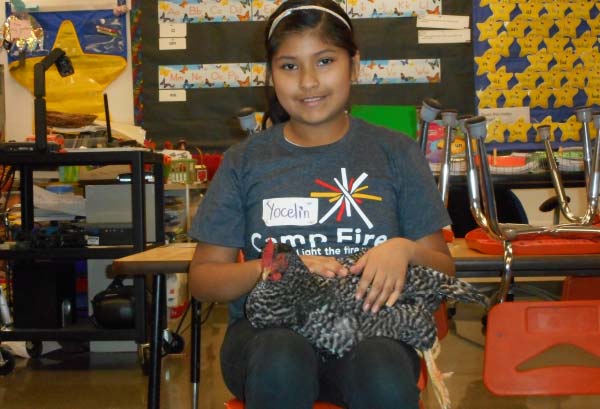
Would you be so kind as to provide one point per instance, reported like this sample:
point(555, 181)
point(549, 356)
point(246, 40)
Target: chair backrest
point(517, 332)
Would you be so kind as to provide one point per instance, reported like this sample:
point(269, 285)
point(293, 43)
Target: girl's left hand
point(383, 273)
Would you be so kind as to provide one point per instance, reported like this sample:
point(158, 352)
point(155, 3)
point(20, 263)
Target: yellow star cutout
point(514, 97)
point(570, 129)
point(500, 78)
point(517, 131)
point(565, 59)
point(81, 92)
point(488, 98)
point(541, 26)
point(581, 9)
point(539, 97)
point(527, 79)
point(529, 44)
point(556, 9)
point(585, 41)
point(567, 26)
point(540, 60)
point(495, 131)
point(516, 28)
point(593, 96)
point(564, 96)
point(555, 44)
point(488, 29)
point(531, 10)
point(486, 63)
point(501, 11)
point(590, 58)
point(576, 77)
point(553, 78)
point(594, 23)
point(593, 77)
point(502, 44)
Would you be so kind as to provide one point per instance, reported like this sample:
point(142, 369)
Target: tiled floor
point(115, 380)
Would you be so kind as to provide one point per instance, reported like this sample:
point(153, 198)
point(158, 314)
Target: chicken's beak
point(265, 273)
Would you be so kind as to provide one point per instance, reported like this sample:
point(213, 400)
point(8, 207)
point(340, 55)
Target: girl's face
point(312, 80)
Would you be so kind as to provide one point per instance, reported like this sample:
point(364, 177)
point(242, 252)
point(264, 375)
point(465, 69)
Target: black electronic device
point(114, 307)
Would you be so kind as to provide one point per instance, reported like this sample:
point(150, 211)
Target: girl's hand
point(324, 266)
point(383, 273)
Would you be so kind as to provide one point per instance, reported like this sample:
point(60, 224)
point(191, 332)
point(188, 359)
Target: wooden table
point(175, 258)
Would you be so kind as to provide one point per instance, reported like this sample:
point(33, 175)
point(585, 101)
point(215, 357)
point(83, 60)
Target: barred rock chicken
point(326, 312)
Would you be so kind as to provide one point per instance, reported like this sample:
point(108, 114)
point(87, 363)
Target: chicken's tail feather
point(437, 377)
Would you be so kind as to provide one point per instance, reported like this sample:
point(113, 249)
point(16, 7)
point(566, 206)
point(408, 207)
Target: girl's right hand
point(324, 266)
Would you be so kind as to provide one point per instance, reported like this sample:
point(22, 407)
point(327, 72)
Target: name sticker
point(290, 211)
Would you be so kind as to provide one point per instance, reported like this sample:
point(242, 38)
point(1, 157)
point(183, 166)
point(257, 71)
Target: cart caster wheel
point(143, 351)
point(174, 343)
point(34, 349)
point(7, 362)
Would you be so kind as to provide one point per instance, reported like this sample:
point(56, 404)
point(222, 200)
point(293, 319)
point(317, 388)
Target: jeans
point(277, 368)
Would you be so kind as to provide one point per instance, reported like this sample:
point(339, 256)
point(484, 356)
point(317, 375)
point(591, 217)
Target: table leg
point(195, 354)
point(156, 335)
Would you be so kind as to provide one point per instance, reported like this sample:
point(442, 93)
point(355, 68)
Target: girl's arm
point(216, 276)
point(384, 267)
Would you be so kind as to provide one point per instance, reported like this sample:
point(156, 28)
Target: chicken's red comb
point(268, 255)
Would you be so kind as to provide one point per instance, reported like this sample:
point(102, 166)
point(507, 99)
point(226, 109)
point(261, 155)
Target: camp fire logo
point(346, 196)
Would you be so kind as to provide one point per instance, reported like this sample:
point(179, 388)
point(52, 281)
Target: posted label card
point(444, 36)
point(442, 21)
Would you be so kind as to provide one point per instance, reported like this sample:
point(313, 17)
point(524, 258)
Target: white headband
point(291, 10)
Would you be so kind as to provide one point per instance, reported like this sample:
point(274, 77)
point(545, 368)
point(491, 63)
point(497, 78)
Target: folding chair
point(483, 208)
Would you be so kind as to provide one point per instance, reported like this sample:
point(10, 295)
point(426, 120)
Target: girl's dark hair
point(330, 28)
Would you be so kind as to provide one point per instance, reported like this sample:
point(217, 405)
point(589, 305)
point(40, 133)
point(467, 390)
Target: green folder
point(401, 118)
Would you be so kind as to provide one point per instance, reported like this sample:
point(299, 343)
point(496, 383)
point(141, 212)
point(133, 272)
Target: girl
point(328, 185)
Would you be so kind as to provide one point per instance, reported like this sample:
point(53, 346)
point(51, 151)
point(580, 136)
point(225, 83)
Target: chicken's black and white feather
point(327, 313)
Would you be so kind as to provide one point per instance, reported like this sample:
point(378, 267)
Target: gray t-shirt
point(332, 200)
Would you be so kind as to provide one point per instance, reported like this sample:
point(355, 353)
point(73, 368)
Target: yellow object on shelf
point(182, 171)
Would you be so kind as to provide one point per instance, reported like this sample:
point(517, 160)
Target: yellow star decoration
point(564, 96)
point(594, 23)
point(585, 41)
point(514, 97)
point(539, 97)
point(517, 131)
point(81, 92)
point(590, 58)
point(486, 63)
point(553, 78)
point(501, 44)
point(488, 98)
point(565, 59)
point(495, 131)
point(593, 77)
point(593, 96)
point(527, 79)
point(567, 26)
point(488, 29)
point(500, 78)
point(531, 10)
point(556, 9)
point(501, 11)
point(553, 127)
point(570, 129)
point(555, 44)
point(516, 28)
point(540, 60)
point(576, 77)
point(529, 44)
point(541, 26)
point(581, 9)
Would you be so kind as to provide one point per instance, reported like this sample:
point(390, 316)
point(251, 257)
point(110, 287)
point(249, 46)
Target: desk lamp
point(65, 68)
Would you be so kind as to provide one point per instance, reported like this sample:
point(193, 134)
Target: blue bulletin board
point(540, 55)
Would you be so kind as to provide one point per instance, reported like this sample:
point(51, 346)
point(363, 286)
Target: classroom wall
point(19, 110)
